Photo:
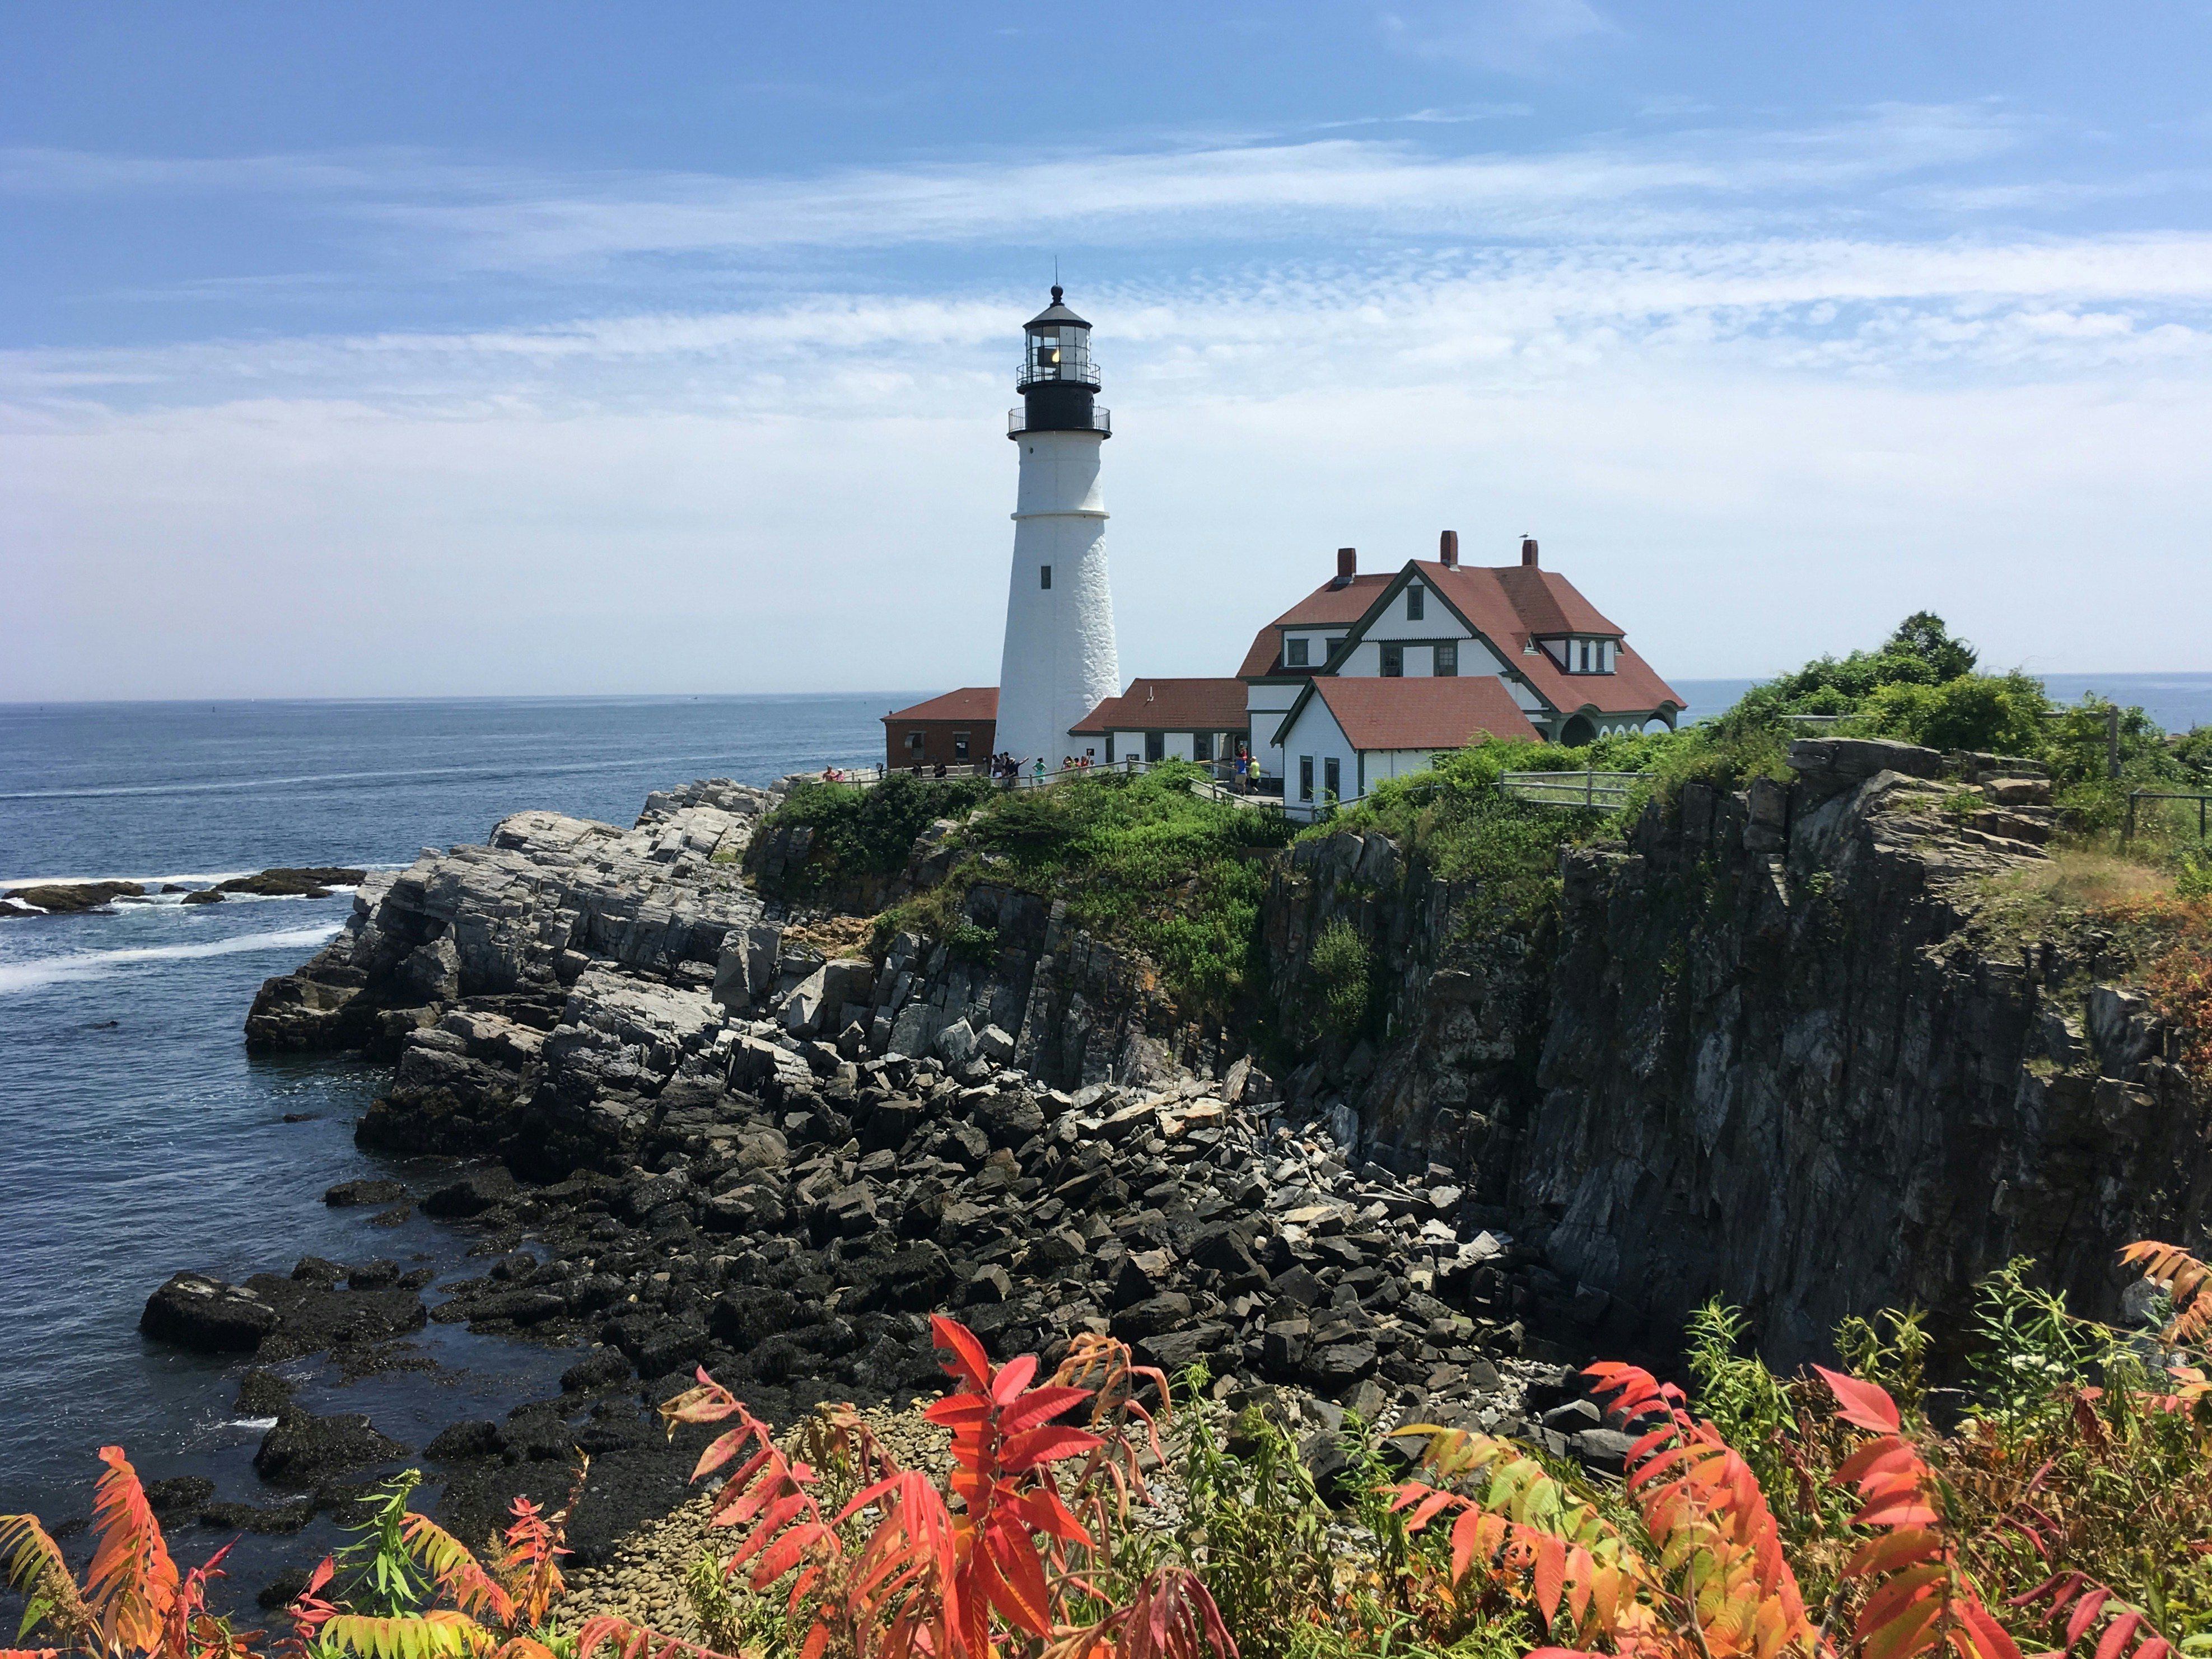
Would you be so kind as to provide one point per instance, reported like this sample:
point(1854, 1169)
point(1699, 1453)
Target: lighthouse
point(1059, 662)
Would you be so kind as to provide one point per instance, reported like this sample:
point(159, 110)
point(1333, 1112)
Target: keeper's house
point(957, 728)
point(1341, 688)
point(1166, 719)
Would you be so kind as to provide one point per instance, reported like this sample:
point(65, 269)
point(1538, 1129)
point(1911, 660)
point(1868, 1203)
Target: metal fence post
point(2128, 834)
point(2113, 741)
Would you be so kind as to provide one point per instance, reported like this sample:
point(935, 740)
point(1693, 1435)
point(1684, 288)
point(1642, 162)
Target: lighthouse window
point(1044, 575)
point(1416, 604)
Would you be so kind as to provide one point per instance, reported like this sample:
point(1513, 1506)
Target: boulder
point(349, 1194)
point(956, 1043)
point(195, 1311)
point(303, 1448)
point(473, 1194)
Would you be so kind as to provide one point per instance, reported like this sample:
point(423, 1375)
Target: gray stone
point(956, 1043)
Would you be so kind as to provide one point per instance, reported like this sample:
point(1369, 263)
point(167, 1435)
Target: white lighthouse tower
point(1060, 661)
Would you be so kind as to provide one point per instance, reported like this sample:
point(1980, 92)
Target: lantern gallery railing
point(1018, 422)
point(1073, 368)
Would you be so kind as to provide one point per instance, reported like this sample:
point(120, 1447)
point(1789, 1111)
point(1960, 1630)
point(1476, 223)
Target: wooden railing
point(2128, 833)
point(1601, 792)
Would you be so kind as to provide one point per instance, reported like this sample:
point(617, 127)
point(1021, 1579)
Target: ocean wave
point(98, 964)
point(504, 770)
point(207, 877)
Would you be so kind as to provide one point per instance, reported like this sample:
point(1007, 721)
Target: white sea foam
point(259, 1425)
point(98, 964)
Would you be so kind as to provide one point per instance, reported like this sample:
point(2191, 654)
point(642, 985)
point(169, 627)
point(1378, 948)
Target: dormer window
point(1294, 653)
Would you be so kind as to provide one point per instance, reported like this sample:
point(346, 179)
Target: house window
point(1332, 647)
point(1417, 601)
point(1110, 749)
point(1156, 745)
point(1201, 745)
point(1305, 777)
point(960, 746)
point(1294, 653)
point(1044, 575)
point(1393, 662)
point(1448, 661)
point(1332, 778)
point(914, 742)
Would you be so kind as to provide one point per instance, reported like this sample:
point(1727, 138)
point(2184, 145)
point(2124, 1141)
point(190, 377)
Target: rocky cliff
point(1768, 1047)
point(1774, 1052)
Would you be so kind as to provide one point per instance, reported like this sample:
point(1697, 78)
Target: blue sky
point(484, 348)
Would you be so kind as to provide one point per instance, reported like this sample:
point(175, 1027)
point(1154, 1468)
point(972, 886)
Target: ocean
point(139, 1137)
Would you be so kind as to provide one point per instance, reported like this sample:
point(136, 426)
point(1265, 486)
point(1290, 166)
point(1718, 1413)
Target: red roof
point(1421, 714)
point(1170, 706)
point(970, 702)
point(1509, 606)
point(1516, 603)
point(1326, 604)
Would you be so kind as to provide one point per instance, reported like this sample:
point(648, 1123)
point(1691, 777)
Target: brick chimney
point(1347, 563)
point(1447, 549)
point(1528, 550)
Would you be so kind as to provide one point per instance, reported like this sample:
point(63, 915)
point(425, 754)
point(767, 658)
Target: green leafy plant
point(1341, 969)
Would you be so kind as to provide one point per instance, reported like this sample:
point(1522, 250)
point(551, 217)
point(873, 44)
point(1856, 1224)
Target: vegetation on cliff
point(1169, 871)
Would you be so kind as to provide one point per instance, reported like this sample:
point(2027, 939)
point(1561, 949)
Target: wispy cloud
point(515, 219)
point(1518, 37)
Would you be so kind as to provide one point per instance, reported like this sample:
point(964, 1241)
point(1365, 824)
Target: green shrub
point(1990, 714)
point(1342, 971)
point(867, 832)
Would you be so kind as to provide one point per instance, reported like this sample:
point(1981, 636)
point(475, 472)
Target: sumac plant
point(1017, 1551)
point(420, 1592)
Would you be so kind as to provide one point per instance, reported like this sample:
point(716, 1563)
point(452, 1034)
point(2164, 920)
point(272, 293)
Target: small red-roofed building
point(1198, 720)
point(1550, 663)
point(957, 728)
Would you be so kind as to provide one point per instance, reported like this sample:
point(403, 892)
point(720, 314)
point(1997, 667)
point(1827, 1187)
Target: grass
point(1141, 859)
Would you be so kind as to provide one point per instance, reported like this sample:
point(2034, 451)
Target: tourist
point(940, 769)
point(1040, 769)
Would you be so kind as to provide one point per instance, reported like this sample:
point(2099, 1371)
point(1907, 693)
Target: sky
point(445, 350)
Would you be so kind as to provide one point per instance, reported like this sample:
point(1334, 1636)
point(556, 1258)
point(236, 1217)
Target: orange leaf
point(1045, 1445)
point(1013, 1376)
point(2114, 1641)
point(1867, 1404)
point(2085, 1613)
point(970, 1363)
point(1550, 1574)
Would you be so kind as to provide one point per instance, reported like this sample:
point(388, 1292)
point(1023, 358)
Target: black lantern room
point(1057, 382)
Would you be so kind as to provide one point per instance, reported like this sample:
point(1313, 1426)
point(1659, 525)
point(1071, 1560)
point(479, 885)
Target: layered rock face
point(526, 915)
point(1773, 1053)
point(1786, 1065)
point(541, 993)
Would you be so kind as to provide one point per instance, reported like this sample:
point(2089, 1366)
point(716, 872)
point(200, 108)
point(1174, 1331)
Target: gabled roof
point(1171, 706)
point(1513, 604)
point(970, 702)
point(1546, 601)
point(1414, 714)
point(1329, 604)
point(1509, 606)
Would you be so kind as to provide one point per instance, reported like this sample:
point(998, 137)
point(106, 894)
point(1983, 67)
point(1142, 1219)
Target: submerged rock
point(193, 1310)
point(302, 1449)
